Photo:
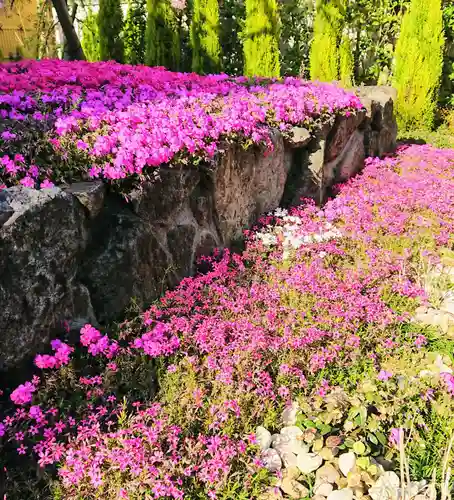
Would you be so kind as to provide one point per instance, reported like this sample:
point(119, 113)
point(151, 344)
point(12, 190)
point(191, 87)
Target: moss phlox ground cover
point(319, 304)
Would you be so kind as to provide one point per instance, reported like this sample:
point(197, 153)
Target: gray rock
point(158, 201)
point(299, 137)
point(347, 462)
point(343, 494)
point(40, 244)
point(245, 185)
point(263, 437)
point(127, 262)
point(323, 489)
point(309, 462)
point(90, 194)
point(271, 460)
point(327, 474)
point(293, 488)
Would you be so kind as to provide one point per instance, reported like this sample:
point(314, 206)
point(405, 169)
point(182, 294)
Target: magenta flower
point(23, 394)
point(384, 375)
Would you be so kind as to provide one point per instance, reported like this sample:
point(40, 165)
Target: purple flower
point(383, 375)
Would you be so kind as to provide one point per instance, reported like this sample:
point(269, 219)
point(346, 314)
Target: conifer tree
point(134, 32)
point(261, 38)
point(110, 22)
point(419, 64)
point(324, 53)
point(346, 62)
point(206, 50)
point(162, 35)
point(90, 36)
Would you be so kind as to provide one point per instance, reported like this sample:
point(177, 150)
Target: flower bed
point(67, 121)
point(309, 328)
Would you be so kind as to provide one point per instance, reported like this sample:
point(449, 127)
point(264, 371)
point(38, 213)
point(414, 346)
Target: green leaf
point(359, 448)
point(382, 438)
point(373, 439)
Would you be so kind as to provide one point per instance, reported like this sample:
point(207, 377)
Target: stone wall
point(81, 254)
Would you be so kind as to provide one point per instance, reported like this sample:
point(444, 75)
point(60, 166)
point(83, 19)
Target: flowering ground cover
point(67, 121)
point(310, 328)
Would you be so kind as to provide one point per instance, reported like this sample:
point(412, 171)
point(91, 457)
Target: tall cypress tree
point(346, 62)
point(162, 35)
point(324, 54)
point(134, 33)
point(90, 36)
point(261, 38)
point(110, 22)
point(419, 64)
point(206, 50)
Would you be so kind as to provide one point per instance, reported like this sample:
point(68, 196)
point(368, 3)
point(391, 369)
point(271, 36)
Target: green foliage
point(232, 14)
point(162, 35)
point(206, 50)
point(419, 62)
point(110, 22)
point(261, 38)
point(90, 37)
point(297, 17)
point(134, 32)
point(346, 62)
point(324, 55)
point(447, 90)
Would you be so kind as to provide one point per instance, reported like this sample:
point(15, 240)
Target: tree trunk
point(74, 48)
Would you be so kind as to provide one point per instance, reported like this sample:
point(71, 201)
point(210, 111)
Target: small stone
point(299, 137)
point(309, 435)
point(323, 489)
point(333, 441)
point(271, 459)
point(287, 443)
point(318, 445)
point(293, 488)
point(386, 487)
point(327, 474)
point(289, 414)
point(291, 473)
point(263, 438)
point(292, 431)
point(288, 459)
point(347, 462)
point(354, 479)
point(327, 454)
point(344, 494)
point(309, 462)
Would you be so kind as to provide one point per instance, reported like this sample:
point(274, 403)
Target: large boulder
point(247, 183)
point(42, 237)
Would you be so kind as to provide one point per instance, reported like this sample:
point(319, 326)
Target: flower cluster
point(109, 121)
point(319, 293)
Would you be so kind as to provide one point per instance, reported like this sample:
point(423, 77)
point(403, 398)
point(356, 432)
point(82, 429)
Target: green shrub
point(163, 37)
point(261, 38)
point(346, 62)
point(206, 50)
point(419, 63)
point(324, 55)
point(90, 36)
point(110, 22)
point(134, 34)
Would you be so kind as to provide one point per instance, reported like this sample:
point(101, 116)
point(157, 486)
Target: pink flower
point(395, 436)
point(383, 375)
point(420, 341)
point(28, 182)
point(23, 394)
